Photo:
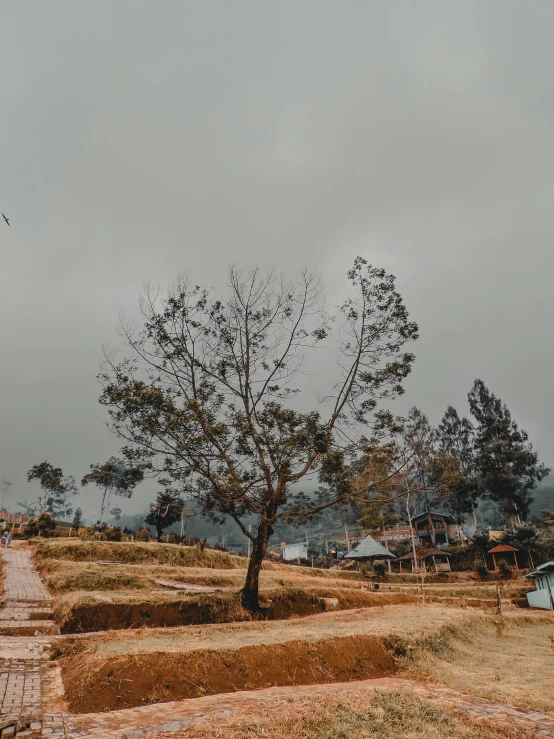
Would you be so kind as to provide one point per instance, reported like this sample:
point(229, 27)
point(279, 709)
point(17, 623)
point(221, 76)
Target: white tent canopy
point(369, 548)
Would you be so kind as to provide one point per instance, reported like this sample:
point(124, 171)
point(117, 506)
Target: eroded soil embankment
point(129, 681)
point(78, 618)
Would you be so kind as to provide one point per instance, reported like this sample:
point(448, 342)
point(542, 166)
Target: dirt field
point(383, 716)
point(103, 585)
point(138, 667)
point(508, 659)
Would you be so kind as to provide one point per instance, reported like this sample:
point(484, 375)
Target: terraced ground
point(404, 669)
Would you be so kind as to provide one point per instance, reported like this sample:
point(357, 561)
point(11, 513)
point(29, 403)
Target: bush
point(482, 571)
point(143, 535)
point(42, 526)
point(504, 571)
point(380, 570)
point(113, 533)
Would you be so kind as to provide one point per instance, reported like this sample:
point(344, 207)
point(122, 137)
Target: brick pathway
point(30, 686)
point(27, 603)
point(133, 723)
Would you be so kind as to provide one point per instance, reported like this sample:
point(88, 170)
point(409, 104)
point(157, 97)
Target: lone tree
point(507, 467)
point(164, 512)
point(78, 518)
point(206, 393)
point(114, 476)
point(57, 489)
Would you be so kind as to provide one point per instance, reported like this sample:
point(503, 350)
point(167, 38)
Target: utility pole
point(385, 539)
point(347, 539)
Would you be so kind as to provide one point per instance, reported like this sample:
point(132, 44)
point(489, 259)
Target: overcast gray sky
point(138, 139)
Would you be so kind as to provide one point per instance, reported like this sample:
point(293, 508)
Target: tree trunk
point(249, 593)
point(416, 565)
point(474, 511)
point(159, 532)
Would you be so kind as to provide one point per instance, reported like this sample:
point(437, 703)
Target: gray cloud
point(142, 139)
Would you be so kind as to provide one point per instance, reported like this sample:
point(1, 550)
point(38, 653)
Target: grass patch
point(356, 716)
point(506, 659)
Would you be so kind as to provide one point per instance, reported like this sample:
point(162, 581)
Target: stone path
point(133, 723)
point(27, 604)
point(31, 690)
point(30, 685)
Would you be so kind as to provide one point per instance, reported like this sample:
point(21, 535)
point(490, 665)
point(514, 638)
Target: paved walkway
point(133, 723)
point(30, 685)
point(31, 690)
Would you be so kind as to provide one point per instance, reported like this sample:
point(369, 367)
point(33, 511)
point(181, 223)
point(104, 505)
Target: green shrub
point(504, 570)
point(42, 526)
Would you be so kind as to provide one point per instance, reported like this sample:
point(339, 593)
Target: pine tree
point(453, 468)
point(507, 467)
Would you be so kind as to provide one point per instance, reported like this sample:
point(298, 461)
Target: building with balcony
point(433, 529)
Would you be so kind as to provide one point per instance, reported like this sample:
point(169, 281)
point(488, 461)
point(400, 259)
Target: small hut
point(503, 549)
point(368, 549)
point(427, 559)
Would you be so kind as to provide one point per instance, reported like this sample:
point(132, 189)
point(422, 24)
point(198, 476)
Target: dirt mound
point(130, 681)
point(77, 616)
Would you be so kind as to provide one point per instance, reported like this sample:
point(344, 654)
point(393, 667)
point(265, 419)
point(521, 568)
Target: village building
point(506, 552)
point(543, 595)
point(295, 551)
point(367, 550)
point(427, 560)
point(434, 530)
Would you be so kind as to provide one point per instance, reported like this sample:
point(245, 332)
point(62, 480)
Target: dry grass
point(357, 716)
point(505, 659)
point(508, 659)
point(408, 622)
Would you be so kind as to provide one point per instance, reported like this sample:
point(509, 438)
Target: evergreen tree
point(165, 511)
point(78, 518)
point(507, 467)
point(453, 468)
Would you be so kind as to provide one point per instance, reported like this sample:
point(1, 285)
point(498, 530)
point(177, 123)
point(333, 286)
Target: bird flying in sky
point(6, 220)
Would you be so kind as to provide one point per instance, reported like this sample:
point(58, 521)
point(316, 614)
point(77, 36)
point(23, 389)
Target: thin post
point(412, 532)
point(347, 539)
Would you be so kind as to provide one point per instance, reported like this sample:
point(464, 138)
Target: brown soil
point(130, 681)
point(213, 609)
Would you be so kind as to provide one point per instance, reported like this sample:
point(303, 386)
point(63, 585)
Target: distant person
point(6, 539)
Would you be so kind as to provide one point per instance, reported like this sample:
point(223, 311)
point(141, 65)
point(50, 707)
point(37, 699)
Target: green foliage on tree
point(116, 513)
point(452, 470)
point(164, 512)
point(78, 517)
point(44, 526)
point(113, 477)
point(206, 391)
point(507, 467)
point(57, 489)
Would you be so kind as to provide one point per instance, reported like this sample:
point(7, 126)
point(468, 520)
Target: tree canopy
point(57, 489)
point(113, 477)
point(507, 467)
point(208, 392)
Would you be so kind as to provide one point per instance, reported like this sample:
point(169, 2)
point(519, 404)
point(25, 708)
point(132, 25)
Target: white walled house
point(295, 551)
point(543, 596)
